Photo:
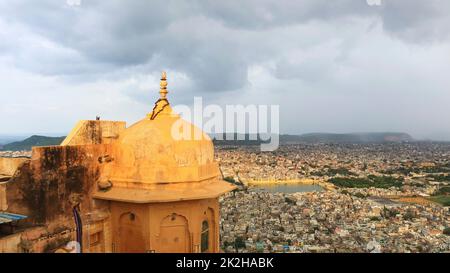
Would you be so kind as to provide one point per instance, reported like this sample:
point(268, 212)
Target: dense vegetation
point(238, 243)
point(371, 181)
point(443, 191)
point(442, 196)
point(388, 213)
point(441, 199)
point(440, 178)
point(231, 180)
point(429, 170)
point(447, 231)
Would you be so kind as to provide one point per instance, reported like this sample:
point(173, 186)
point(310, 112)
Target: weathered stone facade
point(116, 189)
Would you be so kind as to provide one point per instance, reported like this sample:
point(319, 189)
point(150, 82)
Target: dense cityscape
point(369, 198)
point(382, 198)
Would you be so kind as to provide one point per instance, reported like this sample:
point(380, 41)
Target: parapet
point(9, 165)
point(94, 132)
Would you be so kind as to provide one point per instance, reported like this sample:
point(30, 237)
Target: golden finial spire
point(162, 103)
point(163, 86)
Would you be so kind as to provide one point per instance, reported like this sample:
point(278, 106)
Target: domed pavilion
point(163, 190)
point(151, 187)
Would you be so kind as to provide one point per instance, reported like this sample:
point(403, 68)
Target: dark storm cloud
point(331, 65)
point(417, 20)
point(263, 14)
point(213, 42)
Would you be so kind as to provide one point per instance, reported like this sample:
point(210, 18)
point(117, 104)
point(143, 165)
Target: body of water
point(286, 188)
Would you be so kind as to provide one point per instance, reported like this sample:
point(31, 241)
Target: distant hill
point(323, 138)
point(34, 140)
point(347, 138)
point(244, 139)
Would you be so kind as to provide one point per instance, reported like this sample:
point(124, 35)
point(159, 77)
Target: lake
point(286, 188)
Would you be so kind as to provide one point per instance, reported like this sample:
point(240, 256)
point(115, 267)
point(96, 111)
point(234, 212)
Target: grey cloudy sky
point(332, 66)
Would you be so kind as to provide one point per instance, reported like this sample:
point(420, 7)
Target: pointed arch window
point(205, 237)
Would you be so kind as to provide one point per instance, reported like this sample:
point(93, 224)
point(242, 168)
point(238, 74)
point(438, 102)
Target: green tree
point(446, 231)
point(239, 243)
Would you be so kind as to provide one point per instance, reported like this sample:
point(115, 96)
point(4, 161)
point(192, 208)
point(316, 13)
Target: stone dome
point(151, 151)
point(161, 158)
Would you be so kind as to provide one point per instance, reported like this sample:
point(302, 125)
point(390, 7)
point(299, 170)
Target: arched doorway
point(131, 237)
point(205, 244)
point(208, 234)
point(174, 235)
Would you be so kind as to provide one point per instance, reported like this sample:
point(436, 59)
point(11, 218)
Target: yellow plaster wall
point(152, 215)
point(10, 244)
point(8, 166)
point(3, 203)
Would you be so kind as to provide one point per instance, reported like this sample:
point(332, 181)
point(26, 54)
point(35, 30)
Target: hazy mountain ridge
point(347, 138)
point(34, 140)
point(387, 137)
point(38, 140)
